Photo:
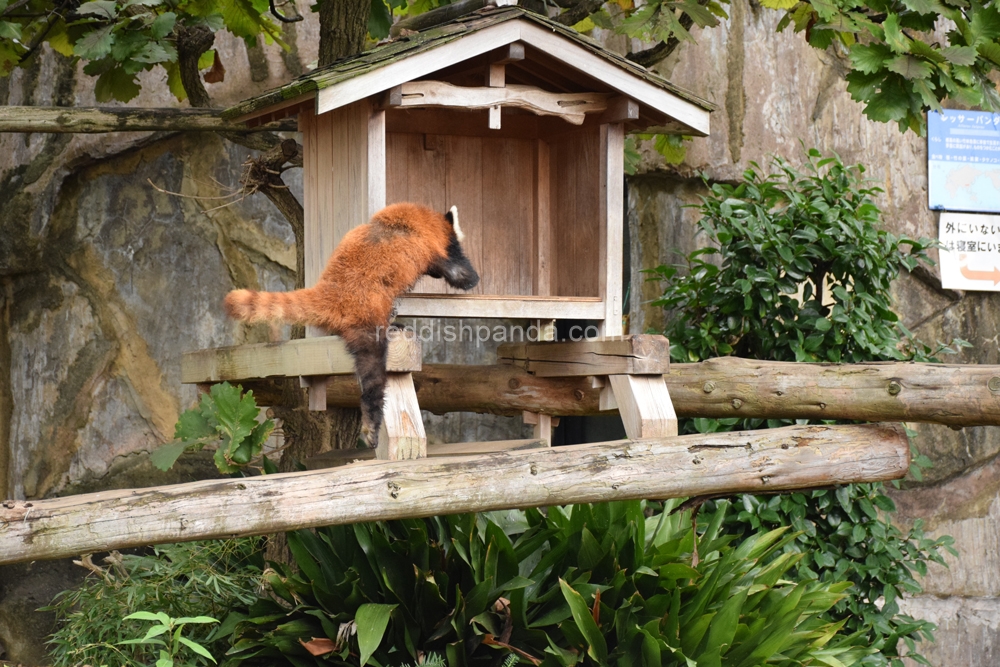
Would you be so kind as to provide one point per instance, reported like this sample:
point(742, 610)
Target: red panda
point(373, 265)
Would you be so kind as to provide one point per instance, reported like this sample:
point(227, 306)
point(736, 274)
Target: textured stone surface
point(968, 630)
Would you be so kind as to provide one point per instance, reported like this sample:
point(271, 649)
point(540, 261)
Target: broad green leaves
point(583, 585)
point(225, 417)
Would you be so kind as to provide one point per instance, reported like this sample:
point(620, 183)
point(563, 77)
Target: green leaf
point(894, 36)
point(164, 456)
point(869, 58)
point(162, 25)
point(379, 20)
point(597, 648)
point(193, 425)
point(910, 67)
point(960, 55)
point(116, 84)
point(159, 617)
point(372, 620)
point(10, 30)
point(105, 9)
point(779, 4)
point(197, 648)
point(95, 45)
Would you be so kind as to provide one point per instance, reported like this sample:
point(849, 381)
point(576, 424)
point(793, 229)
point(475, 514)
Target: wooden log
point(339, 457)
point(113, 119)
point(571, 107)
point(950, 394)
point(324, 355)
point(618, 355)
point(797, 457)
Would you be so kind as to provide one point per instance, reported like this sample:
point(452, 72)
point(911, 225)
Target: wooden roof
point(556, 54)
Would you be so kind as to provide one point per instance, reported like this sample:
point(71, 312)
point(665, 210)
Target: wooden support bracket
point(402, 435)
point(543, 425)
point(645, 406)
point(496, 74)
point(316, 386)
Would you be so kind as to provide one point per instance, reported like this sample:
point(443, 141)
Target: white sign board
point(970, 256)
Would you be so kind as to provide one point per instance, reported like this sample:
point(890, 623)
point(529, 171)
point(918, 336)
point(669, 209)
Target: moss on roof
point(402, 47)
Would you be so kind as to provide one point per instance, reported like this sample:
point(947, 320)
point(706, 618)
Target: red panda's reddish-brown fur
point(354, 297)
point(372, 266)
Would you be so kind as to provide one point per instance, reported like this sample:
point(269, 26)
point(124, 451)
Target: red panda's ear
point(452, 217)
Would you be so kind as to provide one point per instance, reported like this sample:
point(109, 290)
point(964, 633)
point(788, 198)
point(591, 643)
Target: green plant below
point(226, 418)
point(179, 580)
point(801, 271)
point(175, 642)
point(623, 583)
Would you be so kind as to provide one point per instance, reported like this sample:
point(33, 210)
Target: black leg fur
point(370, 352)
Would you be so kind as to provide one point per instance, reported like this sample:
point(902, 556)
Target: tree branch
point(580, 11)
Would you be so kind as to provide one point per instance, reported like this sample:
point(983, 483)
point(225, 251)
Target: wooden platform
point(620, 355)
point(325, 355)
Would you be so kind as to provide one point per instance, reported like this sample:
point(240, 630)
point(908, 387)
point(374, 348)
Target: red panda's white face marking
point(454, 219)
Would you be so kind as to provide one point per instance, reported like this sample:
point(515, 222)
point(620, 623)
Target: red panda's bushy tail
point(253, 307)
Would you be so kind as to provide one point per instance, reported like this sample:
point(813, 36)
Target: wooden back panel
point(491, 181)
point(576, 215)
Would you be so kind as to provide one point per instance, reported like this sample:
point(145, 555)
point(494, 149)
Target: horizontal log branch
point(950, 394)
point(796, 457)
point(121, 119)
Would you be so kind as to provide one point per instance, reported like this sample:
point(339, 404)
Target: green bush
point(620, 583)
point(802, 271)
point(179, 580)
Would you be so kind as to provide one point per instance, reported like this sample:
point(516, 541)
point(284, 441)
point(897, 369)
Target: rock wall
point(105, 280)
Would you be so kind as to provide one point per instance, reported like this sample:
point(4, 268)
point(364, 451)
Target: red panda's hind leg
point(370, 350)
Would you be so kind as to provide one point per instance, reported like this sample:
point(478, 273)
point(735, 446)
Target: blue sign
point(963, 161)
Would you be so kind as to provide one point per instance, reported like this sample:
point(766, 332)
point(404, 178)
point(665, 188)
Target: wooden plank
point(460, 305)
point(542, 232)
point(645, 406)
point(688, 113)
point(315, 386)
point(464, 187)
point(462, 123)
point(542, 425)
point(722, 388)
point(626, 355)
point(570, 107)
point(508, 212)
point(325, 355)
point(576, 213)
point(796, 457)
point(620, 110)
point(611, 227)
point(402, 435)
point(376, 162)
point(417, 65)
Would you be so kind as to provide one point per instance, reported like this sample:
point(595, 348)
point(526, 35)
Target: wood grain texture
point(797, 457)
point(402, 435)
point(611, 228)
point(642, 354)
point(576, 214)
point(326, 355)
point(950, 394)
point(571, 107)
point(340, 457)
point(644, 405)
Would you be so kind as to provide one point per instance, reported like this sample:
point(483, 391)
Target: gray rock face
point(105, 280)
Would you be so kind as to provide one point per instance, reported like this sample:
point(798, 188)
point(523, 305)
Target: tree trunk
point(343, 27)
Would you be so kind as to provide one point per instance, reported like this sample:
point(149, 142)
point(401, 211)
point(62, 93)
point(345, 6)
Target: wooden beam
point(340, 457)
point(950, 394)
point(625, 355)
point(797, 457)
point(571, 107)
point(612, 226)
point(326, 355)
point(84, 120)
point(471, 305)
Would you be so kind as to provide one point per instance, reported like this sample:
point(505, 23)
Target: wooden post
point(645, 406)
point(402, 435)
point(796, 457)
point(543, 425)
point(612, 195)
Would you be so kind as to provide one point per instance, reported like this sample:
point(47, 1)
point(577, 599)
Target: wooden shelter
point(519, 122)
